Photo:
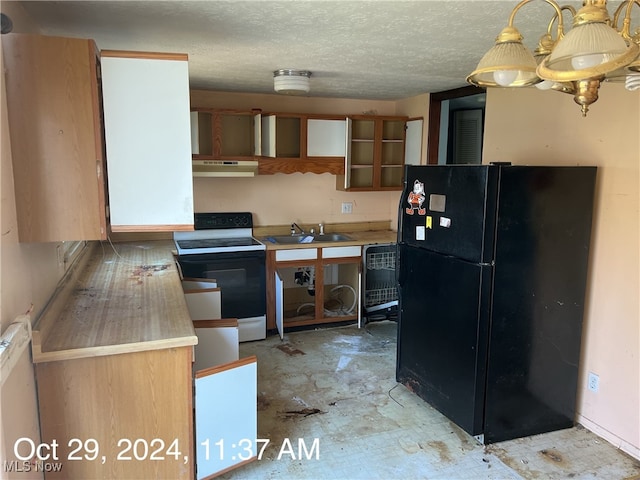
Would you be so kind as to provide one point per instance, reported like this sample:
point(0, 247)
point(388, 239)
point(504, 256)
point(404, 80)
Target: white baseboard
point(628, 448)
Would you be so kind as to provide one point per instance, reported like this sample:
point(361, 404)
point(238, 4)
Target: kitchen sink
point(299, 239)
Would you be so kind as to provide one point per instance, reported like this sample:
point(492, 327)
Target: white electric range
point(222, 247)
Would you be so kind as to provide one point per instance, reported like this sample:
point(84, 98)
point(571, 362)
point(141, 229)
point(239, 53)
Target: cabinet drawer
point(297, 254)
point(339, 252)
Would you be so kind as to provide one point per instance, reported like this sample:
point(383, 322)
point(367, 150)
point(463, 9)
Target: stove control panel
point(218, 221)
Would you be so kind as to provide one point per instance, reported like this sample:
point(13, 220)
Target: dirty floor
point(331, 409)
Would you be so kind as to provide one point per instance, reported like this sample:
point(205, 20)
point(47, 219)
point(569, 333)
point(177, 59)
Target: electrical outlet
point(594, 382)
point(347, 207)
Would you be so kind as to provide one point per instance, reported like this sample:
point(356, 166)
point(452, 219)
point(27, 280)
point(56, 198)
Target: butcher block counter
point(113, 356)
point(120, 299)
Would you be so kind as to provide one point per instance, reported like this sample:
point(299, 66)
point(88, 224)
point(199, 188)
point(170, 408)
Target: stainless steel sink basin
point(301, 239)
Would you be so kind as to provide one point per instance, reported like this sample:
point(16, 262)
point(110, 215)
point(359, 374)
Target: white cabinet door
point(279, 305)
point(204, 303)
point(347, 157)
point(148, 142)
point(218, 342)
point(257, 134)
point(325, 138)
point(226, 416)
point(413, 142)
point(268, 140)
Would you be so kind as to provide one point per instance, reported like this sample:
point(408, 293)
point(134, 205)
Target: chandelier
point(594, 50)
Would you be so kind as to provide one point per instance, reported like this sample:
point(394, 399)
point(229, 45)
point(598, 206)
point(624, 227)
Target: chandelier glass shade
point(507, 63)
point(592, 51)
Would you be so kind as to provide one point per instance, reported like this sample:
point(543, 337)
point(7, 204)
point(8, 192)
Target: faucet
point(321, 228)
point(293, 229)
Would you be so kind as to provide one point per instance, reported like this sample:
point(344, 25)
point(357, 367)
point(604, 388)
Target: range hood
point(225, 168)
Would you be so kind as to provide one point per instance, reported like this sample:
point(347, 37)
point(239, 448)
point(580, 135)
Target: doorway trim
point(435, 108)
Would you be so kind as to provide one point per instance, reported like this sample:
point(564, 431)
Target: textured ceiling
point(355, 49)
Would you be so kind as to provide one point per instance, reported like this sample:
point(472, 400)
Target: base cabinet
point(314, 286)
point(119, 416)
point(137, 415)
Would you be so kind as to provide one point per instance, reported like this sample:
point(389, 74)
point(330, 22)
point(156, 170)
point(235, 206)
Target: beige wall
point(527, 126)
point(29, 274)
point(303, 198)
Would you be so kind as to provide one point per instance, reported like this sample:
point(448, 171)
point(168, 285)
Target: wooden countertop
point(112, 302)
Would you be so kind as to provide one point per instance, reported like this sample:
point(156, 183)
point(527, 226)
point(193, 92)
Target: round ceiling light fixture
point(292, 82)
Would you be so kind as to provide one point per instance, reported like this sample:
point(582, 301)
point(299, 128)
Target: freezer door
point(450, 209)
point(442, 333)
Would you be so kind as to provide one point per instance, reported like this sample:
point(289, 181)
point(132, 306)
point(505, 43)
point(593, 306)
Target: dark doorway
point(456, 125)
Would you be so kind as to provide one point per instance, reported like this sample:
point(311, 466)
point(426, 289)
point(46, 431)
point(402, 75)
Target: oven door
point(240, 276)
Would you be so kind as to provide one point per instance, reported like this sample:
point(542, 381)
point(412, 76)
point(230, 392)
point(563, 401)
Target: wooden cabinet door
point(226, 417)
point(148, 139)
point(128, 405)
point(55, 119)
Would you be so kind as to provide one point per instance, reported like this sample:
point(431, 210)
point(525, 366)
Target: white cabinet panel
point(413, 142)
point(339, 252)
point(268, 139)
point(148, 143)
point(226, 416)
point(218, 343)
point(325, 138)
point(198, 283)
point(297, 254)
point(204, 304)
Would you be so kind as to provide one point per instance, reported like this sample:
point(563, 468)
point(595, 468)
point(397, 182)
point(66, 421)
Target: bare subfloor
point(329, 404)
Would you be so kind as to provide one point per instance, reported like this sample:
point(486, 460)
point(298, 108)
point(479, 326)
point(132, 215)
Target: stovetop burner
point(217, 242)
point(217, 233)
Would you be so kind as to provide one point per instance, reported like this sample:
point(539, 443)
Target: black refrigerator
point(491, 269)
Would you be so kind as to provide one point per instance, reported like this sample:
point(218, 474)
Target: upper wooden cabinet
point(377, 149)
point(55, 123)
point(365, 152)
point(302, 143)
point(225, 134)
point(148, 140)
point(282, 135)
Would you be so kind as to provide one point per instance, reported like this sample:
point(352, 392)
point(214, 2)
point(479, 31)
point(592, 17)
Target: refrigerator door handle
point(398, 265)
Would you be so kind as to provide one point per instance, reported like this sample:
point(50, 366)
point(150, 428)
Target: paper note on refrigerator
point(420, 233)
point(445, 222)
